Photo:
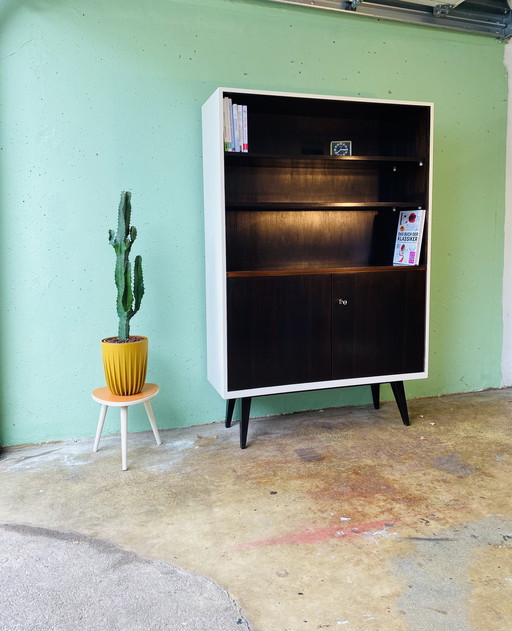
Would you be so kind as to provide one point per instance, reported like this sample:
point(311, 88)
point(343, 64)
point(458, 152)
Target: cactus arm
point(127, 295)
point(138, 284)
point(124, 214)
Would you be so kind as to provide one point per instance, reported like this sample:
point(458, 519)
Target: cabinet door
point(378, 323)
point(279, 330)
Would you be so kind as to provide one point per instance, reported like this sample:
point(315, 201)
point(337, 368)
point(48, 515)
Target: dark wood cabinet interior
point(291, 205)
point(309, 240)
point(284, 125)
point(322, 181)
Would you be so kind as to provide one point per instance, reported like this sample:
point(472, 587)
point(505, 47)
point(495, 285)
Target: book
point(245, 139)
point(228, 124)
point(240, 128)
point(408, 237)
point(225, 104)
point(235, 128)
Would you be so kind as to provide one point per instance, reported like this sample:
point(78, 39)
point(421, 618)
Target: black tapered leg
point(244, 421)
point(230, 406)
point(401, 401)
point(376, 395)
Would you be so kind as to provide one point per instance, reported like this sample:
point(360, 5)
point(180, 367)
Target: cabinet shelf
point(390, 269)
point(317, 161)
point(290, 206)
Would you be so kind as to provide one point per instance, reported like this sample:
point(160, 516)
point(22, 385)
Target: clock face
point(341, 148)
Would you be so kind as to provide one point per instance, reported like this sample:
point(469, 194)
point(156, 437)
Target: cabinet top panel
point(222, 91)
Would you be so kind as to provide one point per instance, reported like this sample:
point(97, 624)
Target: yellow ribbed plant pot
point(125, 364)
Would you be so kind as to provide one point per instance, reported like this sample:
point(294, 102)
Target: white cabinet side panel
point(429, 240)
point(213, 178)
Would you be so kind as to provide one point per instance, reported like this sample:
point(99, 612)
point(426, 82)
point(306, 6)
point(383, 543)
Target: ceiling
point(482, 17)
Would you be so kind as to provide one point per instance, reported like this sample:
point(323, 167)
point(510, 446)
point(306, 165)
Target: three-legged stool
point(107, 399)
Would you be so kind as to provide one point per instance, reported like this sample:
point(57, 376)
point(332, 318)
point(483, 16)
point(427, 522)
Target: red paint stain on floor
point(317, 535)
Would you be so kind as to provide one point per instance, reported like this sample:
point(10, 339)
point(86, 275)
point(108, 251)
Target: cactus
point(128, 297)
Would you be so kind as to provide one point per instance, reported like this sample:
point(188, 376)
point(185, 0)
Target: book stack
point(235, 126)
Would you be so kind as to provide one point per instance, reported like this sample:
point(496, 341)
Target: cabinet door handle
point(342, 302)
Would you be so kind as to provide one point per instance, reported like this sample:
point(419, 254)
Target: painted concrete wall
point(97, 97)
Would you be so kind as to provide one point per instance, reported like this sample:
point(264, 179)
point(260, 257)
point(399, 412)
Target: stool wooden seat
point(107, 399)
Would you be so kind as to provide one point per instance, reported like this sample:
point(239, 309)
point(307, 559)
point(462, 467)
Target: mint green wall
point(99, 96)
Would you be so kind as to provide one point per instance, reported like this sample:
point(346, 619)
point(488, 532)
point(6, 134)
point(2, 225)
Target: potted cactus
point(125, 356)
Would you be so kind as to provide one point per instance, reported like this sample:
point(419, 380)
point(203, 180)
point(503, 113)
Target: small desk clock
point(341, 148)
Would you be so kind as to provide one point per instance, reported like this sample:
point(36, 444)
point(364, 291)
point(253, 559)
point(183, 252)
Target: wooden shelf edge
point(329, 270)
point(311, 206)
point(316, 159)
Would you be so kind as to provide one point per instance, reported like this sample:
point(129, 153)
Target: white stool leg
point(124, 433)
point(99, 429)
point(151, 417)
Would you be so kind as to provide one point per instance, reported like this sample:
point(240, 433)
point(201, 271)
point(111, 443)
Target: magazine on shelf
point(408, 237)
point(235, 126)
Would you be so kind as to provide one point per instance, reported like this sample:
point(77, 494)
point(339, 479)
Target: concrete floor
point(339, 519)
